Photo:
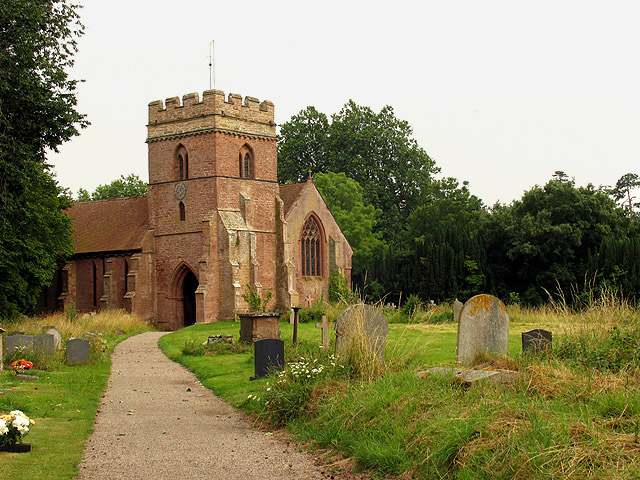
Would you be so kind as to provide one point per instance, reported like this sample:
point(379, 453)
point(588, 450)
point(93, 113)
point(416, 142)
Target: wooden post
point(324, 325)
point(295, 324)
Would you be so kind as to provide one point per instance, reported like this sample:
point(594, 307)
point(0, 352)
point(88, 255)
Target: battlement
point(214, 111)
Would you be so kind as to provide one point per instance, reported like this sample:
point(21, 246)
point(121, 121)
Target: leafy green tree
point(355, 218)
point(443, 255)
point(129, 186)
point(374, 149)
point(623, 189)
point(37, 112)
point(544, 241)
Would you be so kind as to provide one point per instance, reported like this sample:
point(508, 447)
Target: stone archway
point(183, 290)
point(189, 286)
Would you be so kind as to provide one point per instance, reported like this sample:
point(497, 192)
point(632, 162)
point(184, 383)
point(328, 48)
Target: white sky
point(499, 93)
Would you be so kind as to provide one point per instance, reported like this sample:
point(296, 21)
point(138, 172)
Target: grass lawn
point(227, 375)
point(576, 414)
point(62, 402)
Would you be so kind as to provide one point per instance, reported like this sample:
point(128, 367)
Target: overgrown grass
point(574, 414)
point(63, 402)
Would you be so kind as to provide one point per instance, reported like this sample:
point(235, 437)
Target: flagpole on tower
point(212, 67)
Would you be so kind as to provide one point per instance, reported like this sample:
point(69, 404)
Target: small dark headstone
point(269, 355)
point(78, 350)
point(15, 332)
point(536, 340)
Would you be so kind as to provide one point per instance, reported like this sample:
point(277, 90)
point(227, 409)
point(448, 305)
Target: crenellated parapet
point(173, 118)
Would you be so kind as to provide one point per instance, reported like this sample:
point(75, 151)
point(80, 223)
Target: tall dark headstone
point(269, 356)
point(78, 350)
point(536, 340)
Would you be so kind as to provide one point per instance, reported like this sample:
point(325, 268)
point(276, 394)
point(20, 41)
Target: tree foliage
point(622, 192)
point(355, 218)
point(37, 112)
point(544, 241)
point(129, 186)
point(374, 149)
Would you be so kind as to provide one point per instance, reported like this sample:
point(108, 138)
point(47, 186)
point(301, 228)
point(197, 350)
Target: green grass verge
point(563, 420)
point(63, 403)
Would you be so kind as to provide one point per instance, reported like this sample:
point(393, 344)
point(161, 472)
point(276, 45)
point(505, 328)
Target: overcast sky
point(499, 93)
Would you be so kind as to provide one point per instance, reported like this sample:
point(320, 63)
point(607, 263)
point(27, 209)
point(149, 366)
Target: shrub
point(313, 313)
point(192, 348)
point(338, 289)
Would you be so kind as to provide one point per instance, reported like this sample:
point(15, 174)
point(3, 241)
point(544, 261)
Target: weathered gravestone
point(18, 341)
point(78, 350)
point(2, 330)
point(483, 326)
point(363, 326)
point(269, 355)
point(457, 308)
point(43, 343)
point(57, 336)
point(536, 340)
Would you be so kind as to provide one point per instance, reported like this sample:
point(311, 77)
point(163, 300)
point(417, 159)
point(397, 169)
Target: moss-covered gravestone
point(483, 326)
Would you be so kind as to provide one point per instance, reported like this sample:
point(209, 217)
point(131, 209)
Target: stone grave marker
point(57, 336)
point(2, 330)
point(19, 340)
point(43, 343)
point(77, 350)
point(269, 355)
point(324, 325)
point(363, 323)
point(536, 340)
point(483, 326)
point(457, 308)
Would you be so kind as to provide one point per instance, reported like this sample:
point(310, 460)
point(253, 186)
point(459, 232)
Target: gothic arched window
point(246, 163)
point(182, 163)
point(311, 248)
point(182, 212)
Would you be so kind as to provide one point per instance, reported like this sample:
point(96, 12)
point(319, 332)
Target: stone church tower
point(212, 200)
point(214, 221)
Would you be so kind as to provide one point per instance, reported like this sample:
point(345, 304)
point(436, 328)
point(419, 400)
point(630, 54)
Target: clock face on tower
point(180, 191)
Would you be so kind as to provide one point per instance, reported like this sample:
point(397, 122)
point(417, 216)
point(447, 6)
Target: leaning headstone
point(362, 323)
point(18, 341)
point(57, 336)
point(483, 326)
point(269, 356)
point(44, 343)
point(457, 308)
point(536, 340)
point(78, 350)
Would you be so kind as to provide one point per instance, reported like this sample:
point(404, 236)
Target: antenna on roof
point(212, 67)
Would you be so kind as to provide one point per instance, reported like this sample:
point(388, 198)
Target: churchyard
point(570, 411)
point(60, 393)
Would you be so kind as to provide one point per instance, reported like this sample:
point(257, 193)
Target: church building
point(215, 221)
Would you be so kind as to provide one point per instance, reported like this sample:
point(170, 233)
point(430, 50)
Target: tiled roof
point(289, 194)
point(109, 225)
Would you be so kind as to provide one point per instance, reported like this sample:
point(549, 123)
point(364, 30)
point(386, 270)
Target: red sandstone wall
point(311, 289)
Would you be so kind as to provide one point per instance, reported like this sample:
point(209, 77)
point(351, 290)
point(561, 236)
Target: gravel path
point(156, 422)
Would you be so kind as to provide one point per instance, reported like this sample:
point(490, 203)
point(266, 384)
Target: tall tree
point(545, 239)
point(129, 186)
point(375, 149)
point(623, 189)
point(37, 112)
